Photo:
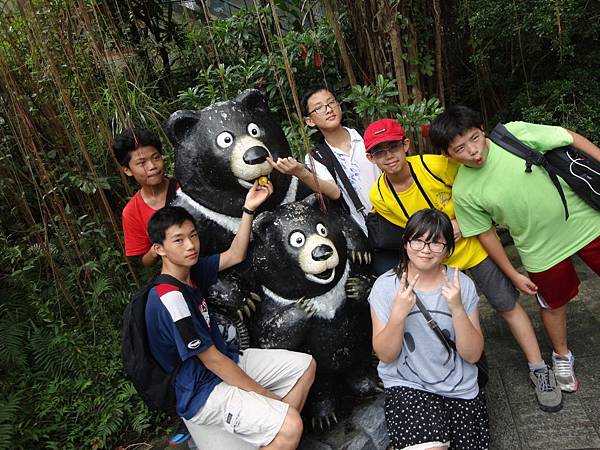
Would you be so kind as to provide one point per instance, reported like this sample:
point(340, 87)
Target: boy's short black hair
point(164, 218)
point(309, 93)
point(456, 120)
point(131, 139)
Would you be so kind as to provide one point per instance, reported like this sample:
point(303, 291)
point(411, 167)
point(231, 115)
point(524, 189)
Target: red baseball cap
point(383, 130)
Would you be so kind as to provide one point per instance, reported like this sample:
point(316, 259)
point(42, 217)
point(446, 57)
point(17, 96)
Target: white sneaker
point(564, 370)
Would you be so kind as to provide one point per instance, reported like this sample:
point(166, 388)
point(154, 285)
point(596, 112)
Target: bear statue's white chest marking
point(230, 223)
point(325, 305)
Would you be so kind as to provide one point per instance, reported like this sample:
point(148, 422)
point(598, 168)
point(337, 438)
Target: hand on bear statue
point(288, 165)
point(257, 194)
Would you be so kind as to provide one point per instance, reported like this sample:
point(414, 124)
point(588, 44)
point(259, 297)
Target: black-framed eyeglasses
point(434, 247)
point(322, 109)
point(383, 150)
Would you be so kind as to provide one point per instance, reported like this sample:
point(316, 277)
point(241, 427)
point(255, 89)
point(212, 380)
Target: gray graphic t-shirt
point(423, 362)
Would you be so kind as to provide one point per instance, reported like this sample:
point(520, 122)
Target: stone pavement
point(516, 422)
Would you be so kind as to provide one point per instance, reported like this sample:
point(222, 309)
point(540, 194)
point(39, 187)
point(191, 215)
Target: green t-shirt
point(528, 204)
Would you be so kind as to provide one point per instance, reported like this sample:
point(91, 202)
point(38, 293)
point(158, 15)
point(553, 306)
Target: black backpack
point(580, 171)
point(155, 386)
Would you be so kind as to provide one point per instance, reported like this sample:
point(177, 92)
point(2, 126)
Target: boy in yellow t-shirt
point(425, 181)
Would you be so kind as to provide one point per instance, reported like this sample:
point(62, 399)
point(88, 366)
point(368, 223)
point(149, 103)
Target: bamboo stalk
point(341, 42)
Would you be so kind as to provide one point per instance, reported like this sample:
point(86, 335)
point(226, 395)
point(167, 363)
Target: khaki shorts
point(252, 417)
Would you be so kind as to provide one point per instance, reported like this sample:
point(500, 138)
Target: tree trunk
point(391, 27)
point(439, 73)
point(341, 42)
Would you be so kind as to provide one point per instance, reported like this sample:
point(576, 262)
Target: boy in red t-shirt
point(139, 152)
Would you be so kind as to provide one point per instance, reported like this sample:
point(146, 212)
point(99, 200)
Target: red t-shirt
point(135, 220)
point(135, 224)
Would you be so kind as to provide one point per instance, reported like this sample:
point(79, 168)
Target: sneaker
point(180, 435)
point(548, 394)
point(564, 369)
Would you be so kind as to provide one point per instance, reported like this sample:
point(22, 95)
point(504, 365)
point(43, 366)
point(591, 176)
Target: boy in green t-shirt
point(492, 187)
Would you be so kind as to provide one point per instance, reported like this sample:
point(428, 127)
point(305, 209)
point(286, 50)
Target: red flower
point(425, 130)
point(303, 52)
point(318, 59)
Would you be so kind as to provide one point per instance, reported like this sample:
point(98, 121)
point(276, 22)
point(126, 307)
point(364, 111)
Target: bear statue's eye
point(225, 139)
point(297, 239)
point(253, 130)
point(321, 230)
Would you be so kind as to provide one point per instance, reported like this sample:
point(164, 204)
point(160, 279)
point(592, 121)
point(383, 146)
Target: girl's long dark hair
point(429, 223)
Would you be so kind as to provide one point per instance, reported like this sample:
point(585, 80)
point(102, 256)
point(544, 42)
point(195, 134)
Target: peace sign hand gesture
point(405, 297)
point(451, 292)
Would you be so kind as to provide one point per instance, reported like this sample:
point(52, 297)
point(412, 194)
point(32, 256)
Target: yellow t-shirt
point(468, 252)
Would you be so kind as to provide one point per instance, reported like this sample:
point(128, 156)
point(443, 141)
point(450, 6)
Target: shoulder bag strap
point(341, 174)
point(393, 191)
point(417, 182)
point(164, 278)
point(446, 342)
point(379, 186)
point(431, 172)
point(506, 140)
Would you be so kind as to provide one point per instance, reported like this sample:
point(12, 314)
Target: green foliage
point(245, 60)
point(535, 61)
point(377, 101)
point(414, 115)
point(63, 386)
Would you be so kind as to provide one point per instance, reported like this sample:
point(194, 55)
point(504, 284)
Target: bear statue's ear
point(312, 200)
point(180, 124)
point(253, 99)
point(261, 221)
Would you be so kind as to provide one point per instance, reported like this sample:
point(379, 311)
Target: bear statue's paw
point(360, 256)
point(307, 305)
point(358, 287)
point(322, 414)
point(324, 422)
point(248, 306)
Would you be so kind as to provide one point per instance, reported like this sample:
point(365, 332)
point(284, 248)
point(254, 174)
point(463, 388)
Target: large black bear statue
point(300, 263)
point(220, 151)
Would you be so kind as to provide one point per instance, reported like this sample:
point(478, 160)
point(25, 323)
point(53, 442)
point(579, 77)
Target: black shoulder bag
point(482, 365)
point(383, 234)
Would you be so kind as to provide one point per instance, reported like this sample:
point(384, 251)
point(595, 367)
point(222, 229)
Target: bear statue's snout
point(255, 155)
point(322, 252)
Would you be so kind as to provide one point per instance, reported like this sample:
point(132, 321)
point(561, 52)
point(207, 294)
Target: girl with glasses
point(432, 399)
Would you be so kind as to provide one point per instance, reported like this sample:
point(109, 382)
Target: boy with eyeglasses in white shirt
point(321, 109)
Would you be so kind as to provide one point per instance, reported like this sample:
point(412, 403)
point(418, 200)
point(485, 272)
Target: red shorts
point(560, 283)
